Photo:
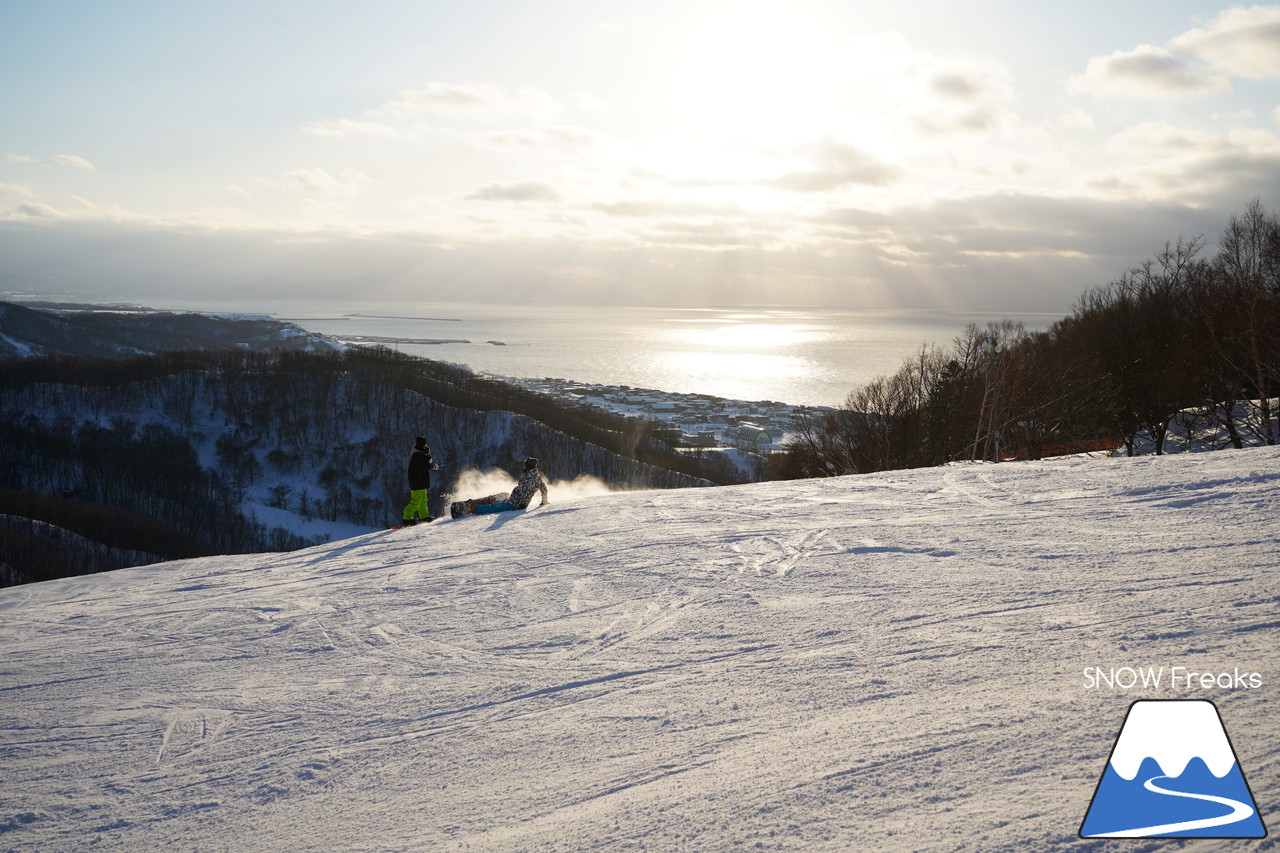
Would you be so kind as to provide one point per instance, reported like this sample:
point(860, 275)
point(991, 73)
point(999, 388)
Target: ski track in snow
point(887, 662)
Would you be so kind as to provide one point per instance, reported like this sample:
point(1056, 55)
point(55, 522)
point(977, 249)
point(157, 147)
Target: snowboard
point(461, 509)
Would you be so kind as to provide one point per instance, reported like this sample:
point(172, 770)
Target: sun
point(758, 72)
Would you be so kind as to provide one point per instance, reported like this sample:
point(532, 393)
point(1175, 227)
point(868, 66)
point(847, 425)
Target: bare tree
point(1249, 260)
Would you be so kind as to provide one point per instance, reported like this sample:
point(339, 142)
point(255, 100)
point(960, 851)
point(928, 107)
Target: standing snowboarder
point(420, 468)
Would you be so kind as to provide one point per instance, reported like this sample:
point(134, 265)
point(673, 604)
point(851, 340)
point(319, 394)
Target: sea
point(801, 356)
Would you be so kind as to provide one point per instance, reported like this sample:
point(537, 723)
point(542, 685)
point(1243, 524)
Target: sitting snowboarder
point(530, 482)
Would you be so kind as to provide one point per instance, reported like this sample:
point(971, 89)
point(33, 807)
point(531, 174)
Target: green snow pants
point(418, 504)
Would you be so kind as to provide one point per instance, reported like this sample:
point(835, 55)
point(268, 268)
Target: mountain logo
point(1172, 774)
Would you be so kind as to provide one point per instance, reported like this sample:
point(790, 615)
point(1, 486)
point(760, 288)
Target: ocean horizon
point(801, 356)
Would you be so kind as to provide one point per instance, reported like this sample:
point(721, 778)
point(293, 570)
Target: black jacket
point(420, 467)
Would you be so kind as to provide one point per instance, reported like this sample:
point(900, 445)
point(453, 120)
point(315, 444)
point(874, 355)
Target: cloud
point(1237, 173)
point(323, 207)
point(1239, 42)
point(662, 207)
point(1005, 252)
point(15, 189)
point(1197, 166)
point(707, 235)
point(1020, 224)
point(1246, 115)
point(410, 113)
point(836, 164)
point(35, 208)
point(71, 160)
point(858, 220)
point(348, 182)
point(345, 127)
point(202, 220)
point(519, 191)
point(813, 182)
point(968, 100)
point(1145, 72)
point(470, 101)
point(962, 87)
point(928, 92)
point(556, 139)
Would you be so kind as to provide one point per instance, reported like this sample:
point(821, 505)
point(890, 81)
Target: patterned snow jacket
point(530, 481)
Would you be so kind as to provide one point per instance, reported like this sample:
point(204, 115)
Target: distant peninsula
point(393, 317)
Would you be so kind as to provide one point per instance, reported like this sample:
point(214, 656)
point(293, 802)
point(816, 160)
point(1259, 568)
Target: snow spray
point(473, 483)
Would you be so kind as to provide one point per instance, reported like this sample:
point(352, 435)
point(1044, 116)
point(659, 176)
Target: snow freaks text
point(1172, 678)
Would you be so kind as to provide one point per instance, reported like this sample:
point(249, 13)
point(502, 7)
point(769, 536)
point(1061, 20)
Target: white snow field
point(883, 662)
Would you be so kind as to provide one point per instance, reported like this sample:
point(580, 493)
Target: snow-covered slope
point(890, 662)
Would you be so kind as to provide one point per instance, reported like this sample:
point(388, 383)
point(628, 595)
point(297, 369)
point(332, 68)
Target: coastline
point(699, 418)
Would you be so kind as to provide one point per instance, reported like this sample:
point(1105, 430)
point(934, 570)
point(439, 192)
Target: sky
point(983, 156)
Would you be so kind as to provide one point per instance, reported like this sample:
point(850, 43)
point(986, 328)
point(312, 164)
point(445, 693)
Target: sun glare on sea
point(734, 374)
point(755, 336)
point(735, 352)
point(757, 73)
point(739, 333)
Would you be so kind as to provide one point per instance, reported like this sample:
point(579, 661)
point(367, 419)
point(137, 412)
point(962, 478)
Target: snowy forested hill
point(891, 662)
point(250, 451)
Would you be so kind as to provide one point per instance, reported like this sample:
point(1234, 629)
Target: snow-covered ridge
point(1172, 733)
point(114, 333)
